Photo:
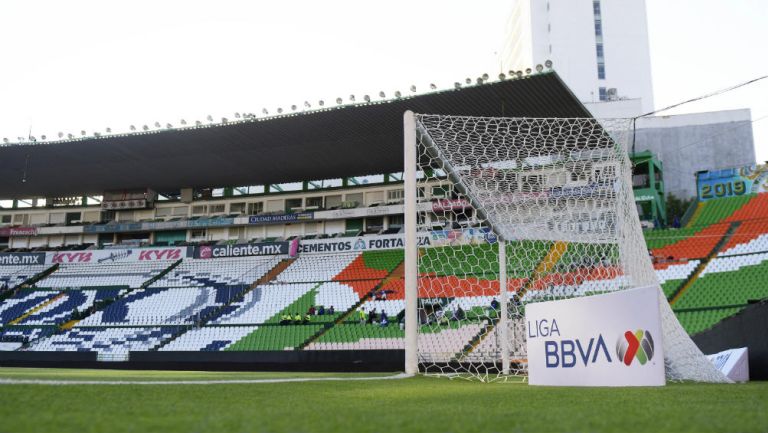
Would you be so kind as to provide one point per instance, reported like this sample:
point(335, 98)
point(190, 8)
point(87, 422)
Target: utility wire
point(699, 98)
point(708, 95)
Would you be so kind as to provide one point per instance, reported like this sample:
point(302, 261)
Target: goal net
point(502, 212)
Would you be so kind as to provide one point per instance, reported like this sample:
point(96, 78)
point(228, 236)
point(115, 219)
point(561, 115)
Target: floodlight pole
point(411, 247)
point(504, 306)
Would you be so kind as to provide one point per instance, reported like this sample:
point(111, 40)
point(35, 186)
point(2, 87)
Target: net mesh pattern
point(554, 194)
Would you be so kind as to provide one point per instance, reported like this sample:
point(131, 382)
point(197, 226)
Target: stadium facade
point(324, 173)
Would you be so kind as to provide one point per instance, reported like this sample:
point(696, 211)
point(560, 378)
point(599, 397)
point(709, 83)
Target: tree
point(677, 206)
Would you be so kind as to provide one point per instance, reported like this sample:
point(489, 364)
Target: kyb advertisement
point(116, 255)
point(604, 340)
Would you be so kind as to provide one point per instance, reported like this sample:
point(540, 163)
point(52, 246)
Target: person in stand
point(331, 310)
point(384, 322)
point(307, 318)
point(460, 314)
point(372, 316)
point(443, 320)
point(320, 310)
point(311, 311)
point(361, 315)
point(285, 319)
point(297, 318)
point(494, 308)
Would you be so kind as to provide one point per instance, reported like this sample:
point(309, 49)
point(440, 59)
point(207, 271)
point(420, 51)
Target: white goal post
point(517, 210)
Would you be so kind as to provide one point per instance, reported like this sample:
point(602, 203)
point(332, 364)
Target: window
point(315, 202)
point(603, 94)
point(255, 208)
point(199, 209)
point(355, 198)
point(292, 203)
point(237, 232)
point(604, 174)
point(163, 212)
point(126, 215)
point(217, 208)
point(332, 201)
point(396, 220)
point(640, 181)
point(237, 208)
point(374, 224)
point(199, 234)
point(441, 191)
point(395, 195)
point(180, 211)
point(599, 42)
point(6, 219)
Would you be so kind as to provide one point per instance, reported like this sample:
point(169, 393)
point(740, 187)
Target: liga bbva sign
point(603, 340)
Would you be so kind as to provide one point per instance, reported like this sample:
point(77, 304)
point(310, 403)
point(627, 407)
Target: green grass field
point(415, 404)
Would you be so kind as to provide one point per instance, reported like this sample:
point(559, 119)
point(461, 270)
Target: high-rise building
point(599, 48)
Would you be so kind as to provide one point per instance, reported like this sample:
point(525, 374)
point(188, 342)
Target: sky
point(89, 65)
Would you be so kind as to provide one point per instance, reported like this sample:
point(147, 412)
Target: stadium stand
point(107, 340)
point(62, 306)
point(720, 210)
point(728, 281)
point(265, 303)
point(208, 338)
point(710, 270)
point(14, 337)
point(750, 237)
point(696, 246)
point(130, 274)
point(317, 268)
point(219, 272)
point(156, 306)
point(22, 302)
point(12, 276)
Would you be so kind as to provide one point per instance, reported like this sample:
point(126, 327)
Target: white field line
point(193, 382)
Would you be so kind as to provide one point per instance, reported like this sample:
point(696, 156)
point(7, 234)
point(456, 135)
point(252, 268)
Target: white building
point(599, 48)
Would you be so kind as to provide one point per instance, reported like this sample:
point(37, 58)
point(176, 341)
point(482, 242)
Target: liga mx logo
point(637, 345)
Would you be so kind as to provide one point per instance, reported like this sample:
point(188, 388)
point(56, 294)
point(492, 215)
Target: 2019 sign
point(723, 189)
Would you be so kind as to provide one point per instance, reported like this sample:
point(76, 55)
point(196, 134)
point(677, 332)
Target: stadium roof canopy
point(344, 141)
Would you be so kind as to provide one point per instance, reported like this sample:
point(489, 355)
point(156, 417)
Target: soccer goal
point(503, 212)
